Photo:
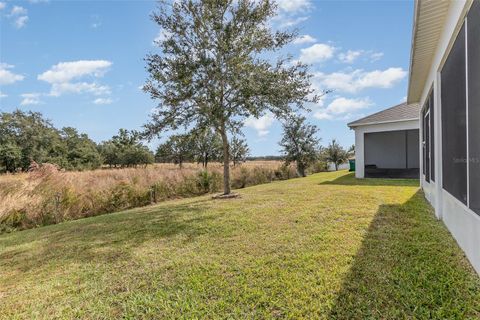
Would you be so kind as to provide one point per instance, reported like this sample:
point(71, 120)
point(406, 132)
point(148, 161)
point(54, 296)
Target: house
point(386, 143)
point(445, 82)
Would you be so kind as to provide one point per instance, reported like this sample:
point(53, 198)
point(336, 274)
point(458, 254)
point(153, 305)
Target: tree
point(81, 151)
point(351, 151)
point(126, 149)
point(335, 154)
point(110, 153)
point(177, 149)
point(10, 156)
point(299, 143)
point(207, 146)
point(213, 72)
point(239, 150)
point(28, 136)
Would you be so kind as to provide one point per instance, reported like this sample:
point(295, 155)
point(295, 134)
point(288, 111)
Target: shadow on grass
point(110, 237)
point(408, 267)
point(350, 180)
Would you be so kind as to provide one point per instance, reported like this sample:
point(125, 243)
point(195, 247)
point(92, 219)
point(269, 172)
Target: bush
point(318, 166)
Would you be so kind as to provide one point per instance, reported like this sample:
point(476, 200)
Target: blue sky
point(81, 63)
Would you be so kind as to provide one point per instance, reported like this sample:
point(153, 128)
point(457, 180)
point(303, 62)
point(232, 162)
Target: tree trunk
point(336, 166)
point(226, 163)
point(301, 170)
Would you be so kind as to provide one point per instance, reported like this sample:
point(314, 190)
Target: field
point(49, 196)
point(322, 247)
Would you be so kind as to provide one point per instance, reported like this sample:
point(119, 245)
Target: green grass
point(326, 246)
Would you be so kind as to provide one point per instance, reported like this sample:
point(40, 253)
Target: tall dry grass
point(49, 196)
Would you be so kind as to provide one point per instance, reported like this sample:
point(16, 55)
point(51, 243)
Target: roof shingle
point(401, 112)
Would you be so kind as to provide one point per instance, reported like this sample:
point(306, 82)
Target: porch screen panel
point(454, 127)
point(473, 21)
point(427, 147)
point(432, 136)
point(424, 154)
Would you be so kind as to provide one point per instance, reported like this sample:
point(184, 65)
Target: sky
point(81, 63)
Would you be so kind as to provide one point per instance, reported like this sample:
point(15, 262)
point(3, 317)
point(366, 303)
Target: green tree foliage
point(126, 150)
point(335, 154)
point(81, 152)
point(213, 71)
point(238, 150)
point(110, 153)
point(207, 146)
point(28, 136)
point(299, 143)
point(177, 149)
point(10, 156)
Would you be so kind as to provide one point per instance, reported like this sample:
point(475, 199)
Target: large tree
point(300, 143)
point(215, 68)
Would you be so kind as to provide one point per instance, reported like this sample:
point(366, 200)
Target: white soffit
point(429, 21)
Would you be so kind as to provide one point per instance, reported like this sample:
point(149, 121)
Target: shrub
point(318, 166)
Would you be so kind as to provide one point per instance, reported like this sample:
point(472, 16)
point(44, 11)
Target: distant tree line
point(125, 150)
point(27, 137)
point(202, 147)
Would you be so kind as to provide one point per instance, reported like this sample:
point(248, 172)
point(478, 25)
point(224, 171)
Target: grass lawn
point(326, 246)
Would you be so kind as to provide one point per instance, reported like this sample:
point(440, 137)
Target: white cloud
point(67, 71)
point(342, 108)
point(103, 101)
point(359, 79)
point(60, 76)
point(286, 22)
point(343, 105)
point(3, 95)
point(317, 53)
point(292, 12)
point(30, 99)
point(79, 87)
point(19, 16)
point(375, 56)
point(17, 11)
point(2, 5)
point(8, 77)
point(294, 5)
point(20, 22)
point(350, 56)
point(261, 124)
point(304, 39)
point(323, 115)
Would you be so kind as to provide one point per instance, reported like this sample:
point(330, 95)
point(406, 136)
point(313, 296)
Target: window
point(473, 34)
point(454, 131)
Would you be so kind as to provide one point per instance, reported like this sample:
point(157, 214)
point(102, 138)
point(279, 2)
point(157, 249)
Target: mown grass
point(323, 247)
